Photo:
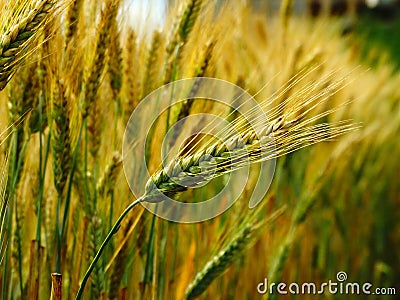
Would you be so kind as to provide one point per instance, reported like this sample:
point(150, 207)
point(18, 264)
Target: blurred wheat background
point(72, 72)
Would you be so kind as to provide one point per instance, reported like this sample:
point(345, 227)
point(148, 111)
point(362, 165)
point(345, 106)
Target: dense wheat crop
point(71, 74)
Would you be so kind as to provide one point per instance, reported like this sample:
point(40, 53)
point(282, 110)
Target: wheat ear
point(93, 78)
point(218, 264)
point(115, 61)
point(280, 137)
point(20, 34)
point(72, 18)
point(107, 180)
point(61, 144)
point(151, 73)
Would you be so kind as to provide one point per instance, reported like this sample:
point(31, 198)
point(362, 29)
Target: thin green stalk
point(19, 249)
point(85, 161)
point(57, 268)
point(16, 177)
point(150, 254)
point(110, 234)
point(39, 208)
point(8, 221)
point(6, 269)
point(111, 207)
point(42, 175)
point(162, 259)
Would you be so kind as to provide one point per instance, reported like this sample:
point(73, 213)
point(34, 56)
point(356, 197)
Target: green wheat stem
point(150, 254)
point(57, 268)
point(42, 169)
point(110, 234)
point(19, 247)
point(6, 268)
point(39, 208)
point(16, 178)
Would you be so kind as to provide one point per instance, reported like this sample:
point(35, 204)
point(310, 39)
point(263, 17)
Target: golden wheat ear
point(22, 22)
point(294, 123)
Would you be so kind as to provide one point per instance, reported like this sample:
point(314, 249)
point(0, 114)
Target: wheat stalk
point(3, 206)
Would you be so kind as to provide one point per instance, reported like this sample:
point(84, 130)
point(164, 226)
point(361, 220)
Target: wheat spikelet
point(151, 75)
point(181, 28)
point(94, 127)
point(97, 284)
point(130, 91)
point(220, 262)
point(19, 32)
point(103, 39)
point(189, 18)
point(286, 11)
point(200, 72)
point(183, 24)
point(290, 129)
point(187, 104)
point(115, 61)
point(71, 22)
point(108, 179)
point(242, 240)
point(61, 146)
point(119, 265)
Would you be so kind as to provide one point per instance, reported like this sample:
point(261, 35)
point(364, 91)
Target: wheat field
point(71, 74)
